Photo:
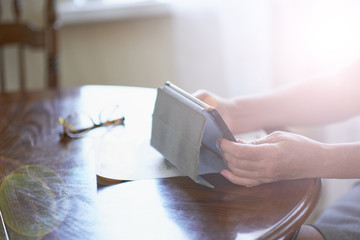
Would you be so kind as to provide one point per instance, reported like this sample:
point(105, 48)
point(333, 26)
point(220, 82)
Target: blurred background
point(229, 47)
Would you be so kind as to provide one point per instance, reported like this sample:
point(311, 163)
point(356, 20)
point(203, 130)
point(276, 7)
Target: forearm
point(307, 103)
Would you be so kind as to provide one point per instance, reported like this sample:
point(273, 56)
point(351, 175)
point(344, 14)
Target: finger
point(233, 163)
point(238, 150)
point(271, 138)
point(245, 168)
point(243, 181)
point(206, 97)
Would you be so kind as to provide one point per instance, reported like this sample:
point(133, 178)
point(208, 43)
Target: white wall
point(246, 28)
point(133, 52)
point(223, 46)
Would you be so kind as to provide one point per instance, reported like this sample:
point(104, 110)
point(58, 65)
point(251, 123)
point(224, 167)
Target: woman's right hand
point(240, 114)
point(222, 105)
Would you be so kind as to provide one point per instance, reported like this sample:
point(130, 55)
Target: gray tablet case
point(185, 131)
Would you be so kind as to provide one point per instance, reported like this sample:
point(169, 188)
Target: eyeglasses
point(77, 125)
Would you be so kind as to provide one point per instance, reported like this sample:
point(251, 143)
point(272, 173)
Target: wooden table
point(49, 187)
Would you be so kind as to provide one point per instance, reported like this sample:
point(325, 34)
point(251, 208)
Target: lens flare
point(34, 200)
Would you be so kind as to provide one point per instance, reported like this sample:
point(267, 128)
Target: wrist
point(342, 161)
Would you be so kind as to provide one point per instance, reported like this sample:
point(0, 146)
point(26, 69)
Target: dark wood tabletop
point(49, 188)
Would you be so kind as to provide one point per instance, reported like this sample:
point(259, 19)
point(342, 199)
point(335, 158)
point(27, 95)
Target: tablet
point(185, 131)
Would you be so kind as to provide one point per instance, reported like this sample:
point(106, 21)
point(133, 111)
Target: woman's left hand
point(278, 156)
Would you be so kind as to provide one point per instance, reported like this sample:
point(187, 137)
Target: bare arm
point(313, 102)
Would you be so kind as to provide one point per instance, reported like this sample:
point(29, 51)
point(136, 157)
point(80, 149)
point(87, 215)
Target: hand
point(241, 114)
point(278, 156)
point(223, 106)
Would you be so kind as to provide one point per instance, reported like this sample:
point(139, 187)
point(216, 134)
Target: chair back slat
point(52, 58)
point(25, 34)
point(20, 33)
point(17, 6)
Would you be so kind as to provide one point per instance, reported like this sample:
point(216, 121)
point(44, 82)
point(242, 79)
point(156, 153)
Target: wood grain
point(29, 135)
point(179, 208)
point(61, 174)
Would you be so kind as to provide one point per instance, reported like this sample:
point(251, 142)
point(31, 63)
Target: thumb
point(206, 97)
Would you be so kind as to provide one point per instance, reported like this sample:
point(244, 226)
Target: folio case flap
point(177, 131)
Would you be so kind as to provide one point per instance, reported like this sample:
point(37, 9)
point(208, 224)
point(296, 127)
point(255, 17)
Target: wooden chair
point(24, 34)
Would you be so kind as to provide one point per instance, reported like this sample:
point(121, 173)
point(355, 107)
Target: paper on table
point(136, 159)
point(124, 153)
